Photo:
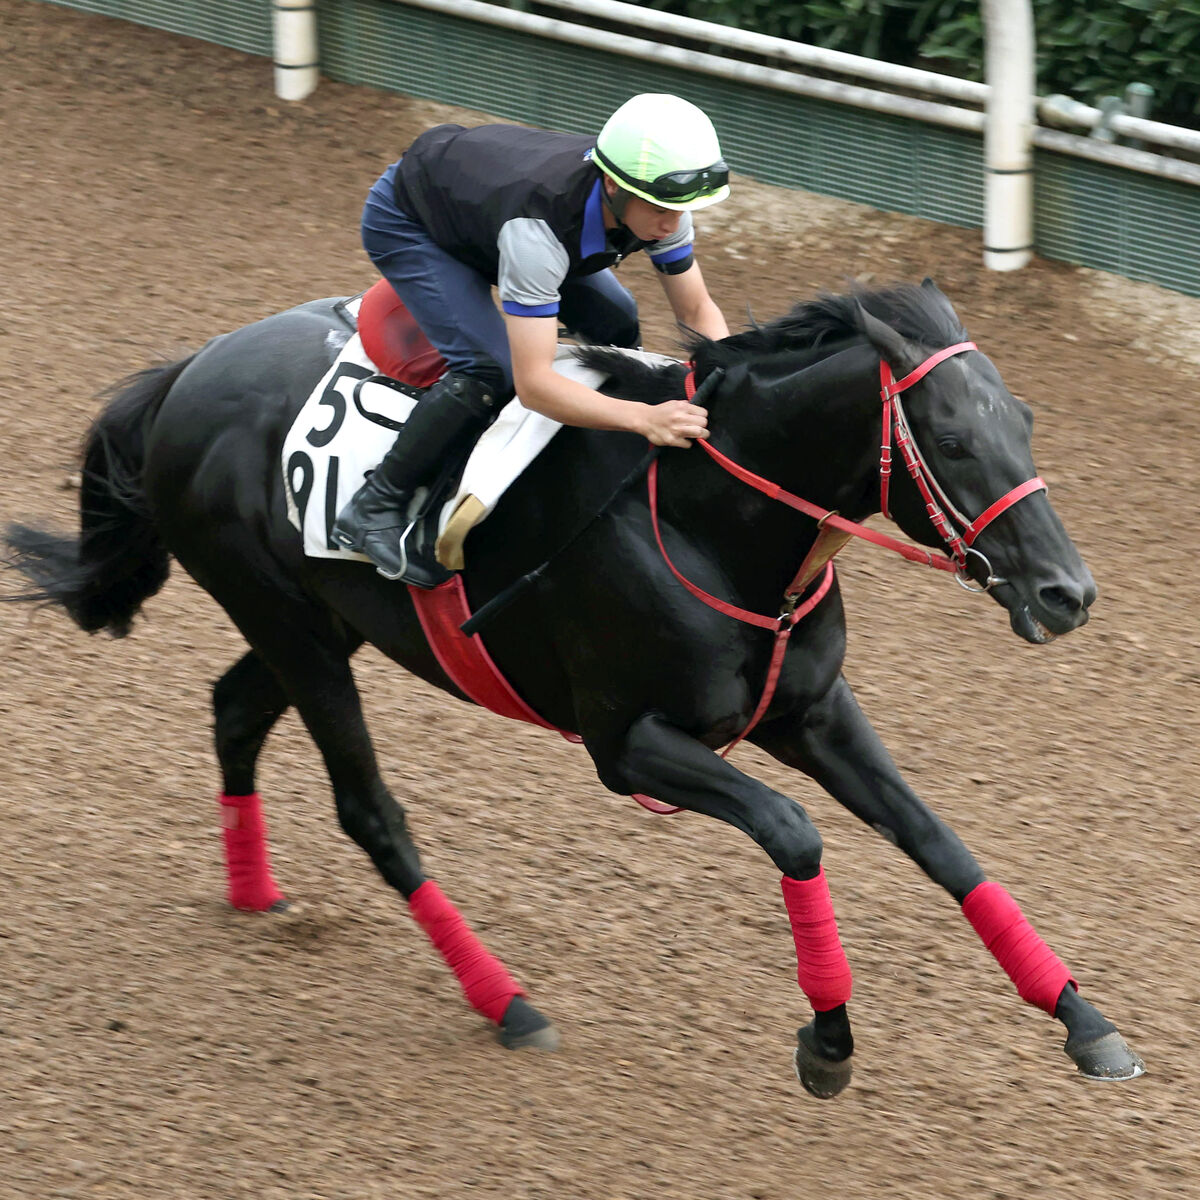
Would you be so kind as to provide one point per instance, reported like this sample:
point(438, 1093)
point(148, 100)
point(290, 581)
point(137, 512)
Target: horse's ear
point(896, 349)
point(943, 302)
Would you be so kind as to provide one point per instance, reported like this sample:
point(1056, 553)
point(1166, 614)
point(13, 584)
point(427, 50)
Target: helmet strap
point(618, 202)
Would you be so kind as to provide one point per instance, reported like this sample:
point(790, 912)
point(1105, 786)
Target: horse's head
point(973, 438)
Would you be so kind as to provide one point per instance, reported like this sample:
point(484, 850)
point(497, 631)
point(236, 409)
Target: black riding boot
point(443, 426)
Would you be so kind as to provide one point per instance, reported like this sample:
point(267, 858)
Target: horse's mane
point(812, 330)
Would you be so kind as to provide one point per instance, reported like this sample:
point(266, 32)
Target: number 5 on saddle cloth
point(350, 421)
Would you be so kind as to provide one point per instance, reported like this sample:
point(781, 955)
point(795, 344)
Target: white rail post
point(296, 57)
point(1008, 134)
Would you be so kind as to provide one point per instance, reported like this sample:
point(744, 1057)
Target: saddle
point(394, 341)
point(351, 418)
point(410, 364)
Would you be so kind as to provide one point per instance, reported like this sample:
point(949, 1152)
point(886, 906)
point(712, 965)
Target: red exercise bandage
point(247, 864)
point(1036, 970)
point(821, 967)
point(487, 986)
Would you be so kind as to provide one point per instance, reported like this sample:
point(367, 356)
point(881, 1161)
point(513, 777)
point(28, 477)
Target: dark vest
point(463, 185)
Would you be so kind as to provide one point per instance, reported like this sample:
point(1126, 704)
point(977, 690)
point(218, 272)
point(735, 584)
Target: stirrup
point(416, 568)
point(369, 513)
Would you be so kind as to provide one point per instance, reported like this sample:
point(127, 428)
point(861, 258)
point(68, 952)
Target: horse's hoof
point(1106, 1058)
point(282, 905)
point(822, 1077)
point(524, 1028)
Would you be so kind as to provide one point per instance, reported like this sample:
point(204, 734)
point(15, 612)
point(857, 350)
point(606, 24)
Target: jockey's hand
point(674, 423)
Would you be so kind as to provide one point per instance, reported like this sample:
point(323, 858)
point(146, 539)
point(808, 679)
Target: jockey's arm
point(691, 303)
point(534, 341)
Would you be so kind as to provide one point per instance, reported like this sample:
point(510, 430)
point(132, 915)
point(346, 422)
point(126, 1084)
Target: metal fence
point(1091, 213)
point(240, 24)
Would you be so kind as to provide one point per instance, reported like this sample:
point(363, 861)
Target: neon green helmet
point(665, 150)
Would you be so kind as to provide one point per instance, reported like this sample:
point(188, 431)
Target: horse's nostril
point(1059, 598)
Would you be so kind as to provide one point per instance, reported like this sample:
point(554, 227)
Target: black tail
point(118, 562)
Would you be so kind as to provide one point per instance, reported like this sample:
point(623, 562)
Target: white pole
point(296, 57)
point(1008, 134)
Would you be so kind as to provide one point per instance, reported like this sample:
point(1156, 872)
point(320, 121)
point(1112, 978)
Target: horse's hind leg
point(247, 701)
point(302, 657)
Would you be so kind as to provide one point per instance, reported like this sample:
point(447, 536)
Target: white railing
point(701, 61)
point(967, 114)
point(802, 55)
point(1004, 110)
point(1052, 110)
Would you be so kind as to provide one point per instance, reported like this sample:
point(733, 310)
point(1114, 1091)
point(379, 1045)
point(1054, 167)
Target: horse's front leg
point(659, 759)
point(836, 744)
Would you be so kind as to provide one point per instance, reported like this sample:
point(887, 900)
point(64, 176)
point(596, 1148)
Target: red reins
point(793, 610)
point(895, 425)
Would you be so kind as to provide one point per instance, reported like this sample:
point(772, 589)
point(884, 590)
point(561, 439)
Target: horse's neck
point(816, 435)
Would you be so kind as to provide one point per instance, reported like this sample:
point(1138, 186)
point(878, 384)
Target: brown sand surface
point(155, 1044)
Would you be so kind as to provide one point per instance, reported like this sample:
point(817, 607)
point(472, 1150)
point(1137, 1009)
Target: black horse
point(184, 461)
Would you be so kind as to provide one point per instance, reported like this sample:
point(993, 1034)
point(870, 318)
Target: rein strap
point(828, 516)
point(936, 501)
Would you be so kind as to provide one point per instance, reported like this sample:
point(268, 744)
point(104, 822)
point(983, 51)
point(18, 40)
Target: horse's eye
point(951, 447)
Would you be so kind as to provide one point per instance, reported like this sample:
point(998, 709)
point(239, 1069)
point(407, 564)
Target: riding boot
point(443, 426)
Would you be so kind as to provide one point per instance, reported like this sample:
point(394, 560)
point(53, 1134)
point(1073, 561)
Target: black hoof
point(822, 1077)
point(523, 1028)
point(1106, 1058)
point(281, 905)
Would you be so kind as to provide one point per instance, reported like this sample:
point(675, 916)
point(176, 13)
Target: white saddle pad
point(345, 429)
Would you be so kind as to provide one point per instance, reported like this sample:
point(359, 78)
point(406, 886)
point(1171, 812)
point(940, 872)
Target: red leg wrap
point(1036, 970)
point(247, 863)
point(487, 986)
point(821, 966)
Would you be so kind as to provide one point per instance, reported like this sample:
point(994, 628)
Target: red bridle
point(895, 427)
point(793, 611)
point(895, 423)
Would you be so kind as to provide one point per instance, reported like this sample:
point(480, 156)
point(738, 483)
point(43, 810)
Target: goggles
point(676, 187)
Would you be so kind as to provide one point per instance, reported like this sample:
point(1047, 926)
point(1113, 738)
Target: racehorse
point(656, 631)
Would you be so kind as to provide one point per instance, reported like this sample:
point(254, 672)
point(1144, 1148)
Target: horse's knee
point(791, 840)
point(378, 824)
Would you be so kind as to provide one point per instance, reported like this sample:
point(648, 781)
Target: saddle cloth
point(347, 425)
point(345, 428)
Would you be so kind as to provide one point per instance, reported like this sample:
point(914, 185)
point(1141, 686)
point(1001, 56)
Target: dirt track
point(154, 1044)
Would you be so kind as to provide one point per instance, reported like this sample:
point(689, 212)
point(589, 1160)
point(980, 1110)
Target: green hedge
point(1085, 50)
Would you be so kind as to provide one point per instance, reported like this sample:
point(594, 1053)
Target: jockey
point(544, 217)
